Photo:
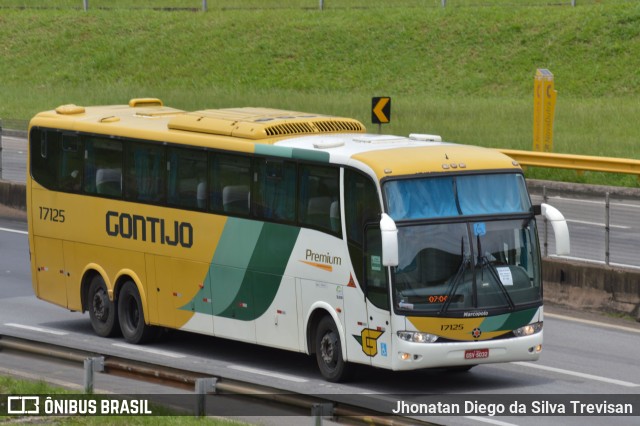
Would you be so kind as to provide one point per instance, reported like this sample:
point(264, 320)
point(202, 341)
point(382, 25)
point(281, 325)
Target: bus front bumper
point(412, 356)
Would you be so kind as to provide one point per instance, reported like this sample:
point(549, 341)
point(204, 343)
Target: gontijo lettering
point(148, 228)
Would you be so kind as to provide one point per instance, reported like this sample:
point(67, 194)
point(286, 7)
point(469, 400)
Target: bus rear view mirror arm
point(389, 241)
point(560, 228)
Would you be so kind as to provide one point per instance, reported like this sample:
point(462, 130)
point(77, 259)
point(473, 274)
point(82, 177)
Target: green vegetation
point(11, 386)
point(465, 71)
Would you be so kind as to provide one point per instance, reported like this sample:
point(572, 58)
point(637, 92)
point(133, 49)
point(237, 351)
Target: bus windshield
point(474, 262)
point(464, 266)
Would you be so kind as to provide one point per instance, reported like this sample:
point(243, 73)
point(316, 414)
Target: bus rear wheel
point(102, 311)
point(329, 351)
point(131, 315)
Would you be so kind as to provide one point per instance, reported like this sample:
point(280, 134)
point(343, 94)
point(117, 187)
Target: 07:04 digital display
point(437, 299)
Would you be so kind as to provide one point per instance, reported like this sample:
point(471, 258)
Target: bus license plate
point(476, 354)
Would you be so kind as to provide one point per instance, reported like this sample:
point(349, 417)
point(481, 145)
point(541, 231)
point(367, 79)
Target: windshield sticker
point(376, 263)
point(479, 229)
point(505, 275)
point(404, 305)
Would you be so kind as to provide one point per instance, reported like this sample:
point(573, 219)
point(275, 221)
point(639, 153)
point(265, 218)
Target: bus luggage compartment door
point(50, 270)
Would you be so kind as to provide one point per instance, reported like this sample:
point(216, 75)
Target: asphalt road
point(13, 166)
point(582, 355)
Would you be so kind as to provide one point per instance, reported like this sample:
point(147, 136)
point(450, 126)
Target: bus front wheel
point(102, 311)
point(131, 315)
point(329, 351)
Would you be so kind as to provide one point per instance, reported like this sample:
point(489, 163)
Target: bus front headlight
point(528, 329)
point(417, 337)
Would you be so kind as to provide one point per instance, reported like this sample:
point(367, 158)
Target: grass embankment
point(463, 72)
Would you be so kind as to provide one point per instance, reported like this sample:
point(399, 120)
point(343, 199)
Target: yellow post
point(544, 105)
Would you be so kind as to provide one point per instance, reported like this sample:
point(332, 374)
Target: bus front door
point(377, 342)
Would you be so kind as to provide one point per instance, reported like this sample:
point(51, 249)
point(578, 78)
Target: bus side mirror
point(560, 228)
point(389, 241)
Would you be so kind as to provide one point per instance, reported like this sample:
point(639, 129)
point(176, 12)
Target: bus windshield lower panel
point(446, 269)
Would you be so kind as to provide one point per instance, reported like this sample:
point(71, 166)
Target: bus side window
point(229, 184)
point(362, 206)
point(187, 177)
point(71, 164)
point(319, 198)
point(145, 170)
point(103, 167)
point(274, 190)
point(45, 157)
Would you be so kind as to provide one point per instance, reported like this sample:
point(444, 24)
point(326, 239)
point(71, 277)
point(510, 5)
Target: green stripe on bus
point(264, 275)
point(247, 269)
point(296, 153)
point(519, 319)
point(277, 151)
point(305, 154)
point(508, 321)
point(237, 242)
point(228, 268)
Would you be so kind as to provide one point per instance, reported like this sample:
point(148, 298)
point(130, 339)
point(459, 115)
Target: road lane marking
point(577, 374)
point(584, 222)
point(149, 350)
point(14, 231)
point(590, 322)
point(38, 329)
point(268, 373)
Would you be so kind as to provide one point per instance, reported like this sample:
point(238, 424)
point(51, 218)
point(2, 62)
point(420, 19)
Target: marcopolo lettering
point(147, 228)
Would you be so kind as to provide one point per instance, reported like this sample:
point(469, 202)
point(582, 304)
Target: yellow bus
point(286, 229)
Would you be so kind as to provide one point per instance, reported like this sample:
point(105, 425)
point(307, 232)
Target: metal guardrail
point(203, 384)
point(574, 162)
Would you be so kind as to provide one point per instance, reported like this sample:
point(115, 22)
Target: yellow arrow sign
point(380, 110)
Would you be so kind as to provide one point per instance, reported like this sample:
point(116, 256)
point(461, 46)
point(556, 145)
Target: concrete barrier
point(13, 195)
point(591, 286)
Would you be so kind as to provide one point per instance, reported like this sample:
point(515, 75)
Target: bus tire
point(102, 311)
point(329, 351)
point(131, 315)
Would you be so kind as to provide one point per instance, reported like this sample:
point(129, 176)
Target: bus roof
point(392, 156)
point(158, 122)
point(275, 132)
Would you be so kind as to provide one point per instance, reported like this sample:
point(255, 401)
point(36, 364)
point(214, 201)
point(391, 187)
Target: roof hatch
point(144, 102)
point(70, 109)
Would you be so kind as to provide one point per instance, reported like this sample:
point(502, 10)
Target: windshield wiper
point(484, 261)
point(457, 278)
